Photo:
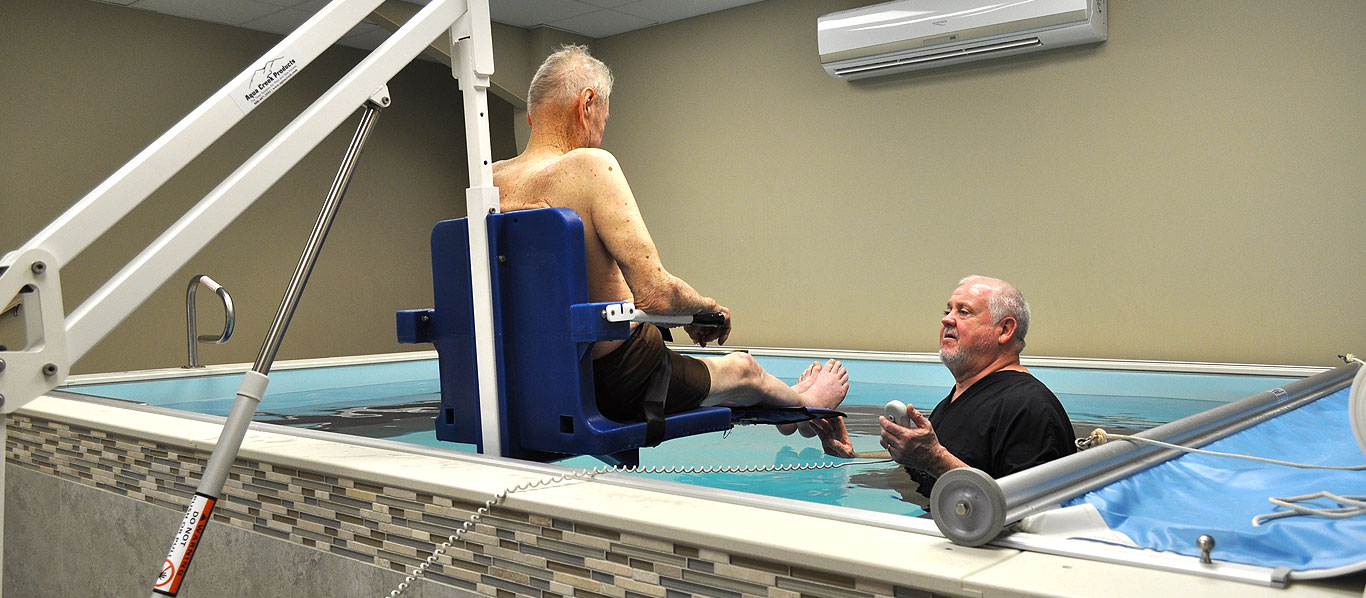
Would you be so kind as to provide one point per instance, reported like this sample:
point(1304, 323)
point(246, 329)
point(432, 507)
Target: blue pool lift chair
point(543, 329)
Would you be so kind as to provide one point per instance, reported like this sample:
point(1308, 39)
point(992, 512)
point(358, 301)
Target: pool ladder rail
point(229, 318)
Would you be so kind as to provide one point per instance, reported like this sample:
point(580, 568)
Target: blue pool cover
point(1168, 506)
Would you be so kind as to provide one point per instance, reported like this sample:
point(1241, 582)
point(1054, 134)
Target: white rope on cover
point(1099, 437)
point(1348, 506)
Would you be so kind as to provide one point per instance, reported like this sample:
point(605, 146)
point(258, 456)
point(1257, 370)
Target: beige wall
point(1192, 189)
point(88, 85)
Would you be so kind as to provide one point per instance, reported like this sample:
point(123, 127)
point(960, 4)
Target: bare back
point(588, 181)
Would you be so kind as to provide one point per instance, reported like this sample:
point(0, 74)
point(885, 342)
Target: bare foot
point(828, 386)
point(804, 382)
point(807, 378)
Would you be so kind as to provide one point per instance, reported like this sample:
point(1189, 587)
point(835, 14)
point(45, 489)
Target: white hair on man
point(565, 73)
point(1005, 302)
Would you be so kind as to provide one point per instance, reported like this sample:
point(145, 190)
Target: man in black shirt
point(998, 418)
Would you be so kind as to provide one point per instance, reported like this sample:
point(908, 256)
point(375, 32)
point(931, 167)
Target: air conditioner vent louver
point(981, 51)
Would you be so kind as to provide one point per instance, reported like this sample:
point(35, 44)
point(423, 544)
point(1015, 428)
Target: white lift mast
point(55, 340)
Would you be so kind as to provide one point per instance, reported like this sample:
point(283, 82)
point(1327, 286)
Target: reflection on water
point(862, 486)
point(880, 487)
point(400, 405)
point(373, 421)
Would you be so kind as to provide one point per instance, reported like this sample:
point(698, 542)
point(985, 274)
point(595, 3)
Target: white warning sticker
point(183, 546)
point(264, 81)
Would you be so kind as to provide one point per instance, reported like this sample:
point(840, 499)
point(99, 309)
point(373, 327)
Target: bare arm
point(616, 219)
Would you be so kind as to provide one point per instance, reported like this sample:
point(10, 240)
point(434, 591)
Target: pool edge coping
point(857, 547)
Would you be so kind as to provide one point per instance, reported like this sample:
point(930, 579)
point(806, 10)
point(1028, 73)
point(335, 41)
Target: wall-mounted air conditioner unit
point(906, 35)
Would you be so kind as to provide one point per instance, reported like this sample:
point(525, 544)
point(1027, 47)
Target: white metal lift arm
point(55, 340)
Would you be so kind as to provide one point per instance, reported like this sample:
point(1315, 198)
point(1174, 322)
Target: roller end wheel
point(968, 506)
point(1356, 407)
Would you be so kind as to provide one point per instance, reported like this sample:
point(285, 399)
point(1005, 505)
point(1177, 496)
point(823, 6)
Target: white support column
point(472, 66)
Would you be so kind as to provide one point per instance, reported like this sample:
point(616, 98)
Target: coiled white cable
point(584, 474)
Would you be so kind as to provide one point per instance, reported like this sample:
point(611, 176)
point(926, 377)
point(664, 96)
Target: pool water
point(398, 401)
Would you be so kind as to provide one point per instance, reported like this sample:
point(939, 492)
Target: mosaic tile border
point(508, 553)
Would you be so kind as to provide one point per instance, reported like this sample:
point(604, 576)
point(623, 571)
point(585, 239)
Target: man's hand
point(706, 334)
point(834, 437)
point(917, 447)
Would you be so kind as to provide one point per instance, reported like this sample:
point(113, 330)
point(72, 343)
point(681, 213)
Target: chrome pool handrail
point(191, 324)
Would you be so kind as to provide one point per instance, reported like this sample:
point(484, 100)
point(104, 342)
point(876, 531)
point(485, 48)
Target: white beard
point(963, 355)
point(955, 360)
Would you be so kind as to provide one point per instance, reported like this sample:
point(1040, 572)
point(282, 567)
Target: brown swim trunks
point(621, 377)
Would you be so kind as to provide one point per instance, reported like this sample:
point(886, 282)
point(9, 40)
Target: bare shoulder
point(587, 156)
point(592, 177)
point(588, 181)
point(511, 170)
point(591, 162)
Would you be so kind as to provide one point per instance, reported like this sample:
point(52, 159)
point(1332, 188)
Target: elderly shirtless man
point(563, 166)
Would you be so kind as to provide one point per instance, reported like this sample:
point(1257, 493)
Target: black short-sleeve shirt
point(1006, 422)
